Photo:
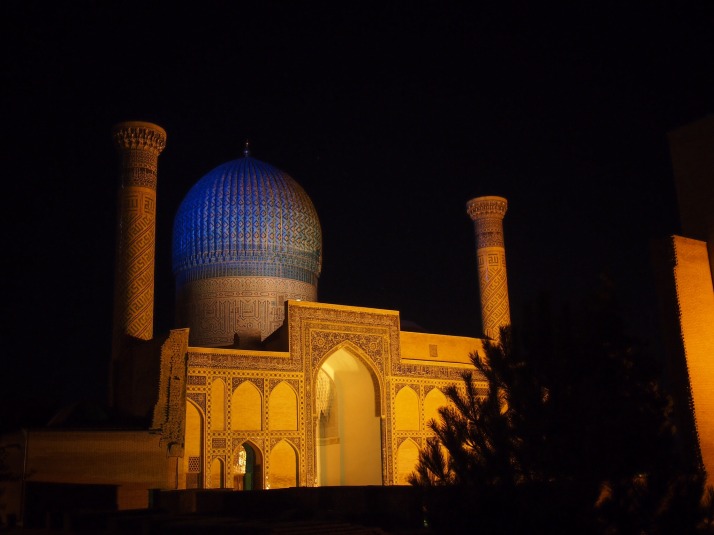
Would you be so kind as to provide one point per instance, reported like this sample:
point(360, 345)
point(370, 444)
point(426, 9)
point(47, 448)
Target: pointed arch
point(193, 446)
point(432, 401)
point(348, 432)
point(407, 459)
point(246, 408)
point(406, 409)
point(362, 357)
point(283, 466)
point(283, 408)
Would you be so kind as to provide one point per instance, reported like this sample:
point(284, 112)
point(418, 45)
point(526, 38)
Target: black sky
point(390, 114)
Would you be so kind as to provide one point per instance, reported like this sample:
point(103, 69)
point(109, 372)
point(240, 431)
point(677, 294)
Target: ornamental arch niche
point(246, 408)
point(348, 424)
point(283, 467)
point(433, 401)
point(406, 407)
point(283, 408)
point(407, 459)
point(193, 448)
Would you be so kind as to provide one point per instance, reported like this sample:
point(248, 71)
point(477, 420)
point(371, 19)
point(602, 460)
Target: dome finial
point(246, 149)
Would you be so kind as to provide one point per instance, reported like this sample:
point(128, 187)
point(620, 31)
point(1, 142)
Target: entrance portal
point(349, 439)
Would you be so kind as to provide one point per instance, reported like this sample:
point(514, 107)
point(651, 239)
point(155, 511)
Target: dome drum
point(252, 308)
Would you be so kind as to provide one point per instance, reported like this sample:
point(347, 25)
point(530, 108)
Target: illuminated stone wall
point(695, 300)
point(283, 405)
point(135, 461)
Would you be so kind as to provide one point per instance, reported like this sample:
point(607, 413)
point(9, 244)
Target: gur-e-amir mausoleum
point(261, 386)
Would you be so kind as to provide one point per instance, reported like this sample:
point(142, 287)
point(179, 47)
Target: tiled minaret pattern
point(139, 145)
point(487, 214)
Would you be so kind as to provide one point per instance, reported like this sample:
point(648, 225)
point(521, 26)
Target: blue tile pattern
point(246, 218)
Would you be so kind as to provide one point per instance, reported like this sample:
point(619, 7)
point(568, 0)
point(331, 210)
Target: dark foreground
point(366, 510)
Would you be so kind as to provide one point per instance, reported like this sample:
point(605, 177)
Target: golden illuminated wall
point(695, 300)
point(243, 398)
point(346, 361)
point(139, 145)
point(429, 363)
point(438, 349)
point(487, 214)
point(134, 461)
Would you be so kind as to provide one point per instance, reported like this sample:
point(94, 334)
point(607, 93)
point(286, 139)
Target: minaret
point(139, 144)
point(487, 214)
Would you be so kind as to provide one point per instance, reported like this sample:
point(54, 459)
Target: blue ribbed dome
point(247, 218)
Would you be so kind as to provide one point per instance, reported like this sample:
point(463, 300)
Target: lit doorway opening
point(349, 438)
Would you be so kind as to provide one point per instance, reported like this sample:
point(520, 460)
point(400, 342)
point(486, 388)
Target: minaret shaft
point(487, 214)
point(139, 145)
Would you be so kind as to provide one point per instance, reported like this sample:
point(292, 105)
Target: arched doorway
point(248, 469)
point(348, 434)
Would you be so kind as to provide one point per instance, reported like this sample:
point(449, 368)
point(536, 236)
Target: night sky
point(391, 115)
